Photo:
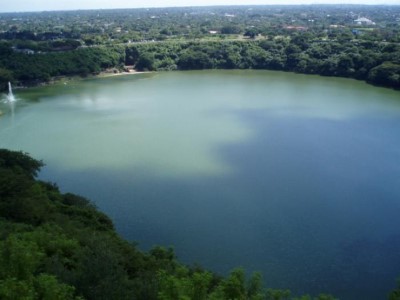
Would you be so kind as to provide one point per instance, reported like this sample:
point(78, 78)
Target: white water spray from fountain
point(10, 102)
point(10, 96)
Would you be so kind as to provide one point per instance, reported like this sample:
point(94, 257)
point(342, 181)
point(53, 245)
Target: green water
point(295, 176)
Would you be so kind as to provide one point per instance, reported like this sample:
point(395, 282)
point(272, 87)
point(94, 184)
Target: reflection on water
point(11, 104)
point(7, 107)
point(291, 175)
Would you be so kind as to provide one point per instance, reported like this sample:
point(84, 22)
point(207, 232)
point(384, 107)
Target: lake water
point(295, 176)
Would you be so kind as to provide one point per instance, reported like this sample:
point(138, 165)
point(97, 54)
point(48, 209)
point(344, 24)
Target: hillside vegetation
point(373, 62)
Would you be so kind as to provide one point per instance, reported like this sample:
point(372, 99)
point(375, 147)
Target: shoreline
point(102, 74)
point(113, 72)
point(105, 74)
point(66, 78)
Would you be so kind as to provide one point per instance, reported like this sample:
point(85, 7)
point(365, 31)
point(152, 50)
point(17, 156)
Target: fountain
point(10, 100)
point(10, 96)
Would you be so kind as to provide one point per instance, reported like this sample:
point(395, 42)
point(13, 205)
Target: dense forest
point(59, 246)
point(325, 40)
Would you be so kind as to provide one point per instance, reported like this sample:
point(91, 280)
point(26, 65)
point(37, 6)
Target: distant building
point(364, 21)
point(301, 28)
point(336, 26)
point(213, 32)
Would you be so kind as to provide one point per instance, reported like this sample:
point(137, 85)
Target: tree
point(231, 29)
point(200, 285)
point(234, 286)
point(145, 62)
point(48, 288)
point(386, 74)
point(194, 60)
point(255, 287)
point(5, 77)
point(251, 33)
point(19, 258)
point(277, 294)
point(131, 55)
point(20, 162)
point(395, 294)
point(345, 65)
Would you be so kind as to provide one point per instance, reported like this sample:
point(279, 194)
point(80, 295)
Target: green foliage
point(48, 288)
point(131, 55)
point(21, 198)
point(19, 258)
point(325, 297)
point(42, 66)
point(11, 289)
point(194, 60)
point(234, 285)
point(5, 77)
point(395, 294)
point(277, 294)
point(255, 287)
point(78, 201)
point(319, 297)
point(251, 33)
point(19, 162)
point(301, 54)
point(201, 283)
point(42, 287)
point(171, 287)
point(20, 262)
point(386, 74)
point(145, 62)
point(231, 29)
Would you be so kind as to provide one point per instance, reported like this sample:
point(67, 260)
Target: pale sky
point(41, 5)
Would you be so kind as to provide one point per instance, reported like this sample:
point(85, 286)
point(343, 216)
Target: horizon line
point(201, 6)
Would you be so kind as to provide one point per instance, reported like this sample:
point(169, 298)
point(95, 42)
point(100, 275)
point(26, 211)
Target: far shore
point(102, 74)
point(111, 73)
point(65, 78)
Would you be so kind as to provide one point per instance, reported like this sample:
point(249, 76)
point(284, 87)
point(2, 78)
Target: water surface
point(295, 176)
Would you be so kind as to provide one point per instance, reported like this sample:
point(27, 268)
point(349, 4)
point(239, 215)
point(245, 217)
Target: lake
point(296, 176)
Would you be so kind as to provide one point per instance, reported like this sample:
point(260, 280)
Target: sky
point(46, 5)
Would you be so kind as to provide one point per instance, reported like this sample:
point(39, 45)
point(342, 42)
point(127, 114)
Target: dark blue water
point(314, 206)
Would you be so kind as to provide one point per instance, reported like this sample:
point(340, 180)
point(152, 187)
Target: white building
point(364, 21)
